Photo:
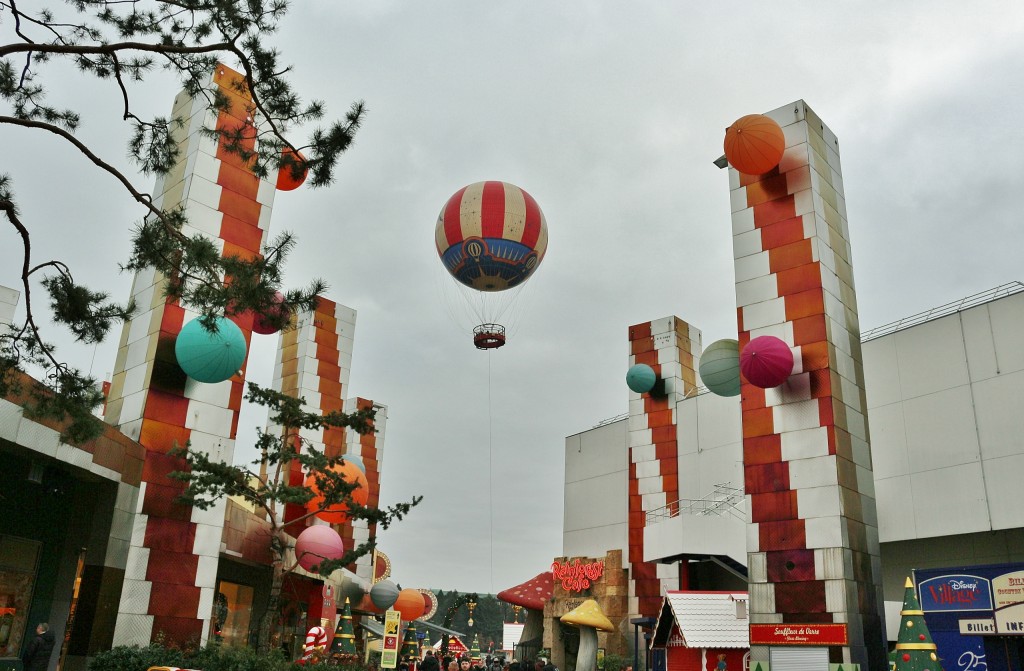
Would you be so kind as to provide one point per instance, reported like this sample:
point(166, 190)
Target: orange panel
point(762, 450)
point(325, 339)
point(659, 418)
point(758, 422)
point(801, 278)
point(773, 506)
point(773, 211)
point(805, 304)
point(161, 437)
point(638, 331)
point(814, 356)
point(768, 189)
point(331, 405)
point(165, 407)
point(666, 450)
point(809, 329)
point(231, 249)
point(239, 180)
point(782, 233)
point(649, 358)
point(655, 404)
point(751, 397)
point(790, 256)
point(746, 179)
point(328, 371)
point(663, 433)
point(242, 234)
point(641, 345)
point(240, 207)
point(330, 388)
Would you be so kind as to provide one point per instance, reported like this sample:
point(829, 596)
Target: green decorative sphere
point(720, 367)
point(210, 357)
point(641, 378)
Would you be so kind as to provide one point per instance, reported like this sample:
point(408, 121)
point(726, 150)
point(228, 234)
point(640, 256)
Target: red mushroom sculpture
point(531, 595)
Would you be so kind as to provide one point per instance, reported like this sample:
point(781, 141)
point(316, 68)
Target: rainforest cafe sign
point(576, 576)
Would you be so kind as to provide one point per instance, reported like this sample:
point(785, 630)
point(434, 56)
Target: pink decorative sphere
point(766, 362)
point(261, 323)
point(317, 543)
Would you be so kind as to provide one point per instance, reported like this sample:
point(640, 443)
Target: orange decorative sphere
point(754, 144)
point(338, 513)
point(286, 181)
point(410, 604)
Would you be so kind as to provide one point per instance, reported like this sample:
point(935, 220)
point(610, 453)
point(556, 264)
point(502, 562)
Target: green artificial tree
point(116, 45)
point(266, 485)
point(344, 643)
point(409, 648)
point(915, 649)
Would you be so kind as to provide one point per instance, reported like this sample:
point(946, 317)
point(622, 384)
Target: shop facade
point(975, 615)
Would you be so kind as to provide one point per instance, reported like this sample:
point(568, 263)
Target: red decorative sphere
point(921, 636)
point(766, 362)
point(286, 180)
point(906, 657)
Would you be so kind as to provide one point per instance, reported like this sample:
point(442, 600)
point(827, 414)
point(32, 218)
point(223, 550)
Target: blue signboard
point(957, 592)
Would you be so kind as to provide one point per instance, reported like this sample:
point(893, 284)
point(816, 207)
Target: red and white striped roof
point(708, 619)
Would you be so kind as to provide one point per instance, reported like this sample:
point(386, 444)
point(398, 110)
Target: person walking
point(37, 655)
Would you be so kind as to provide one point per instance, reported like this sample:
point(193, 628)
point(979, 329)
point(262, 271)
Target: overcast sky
point(609, 114)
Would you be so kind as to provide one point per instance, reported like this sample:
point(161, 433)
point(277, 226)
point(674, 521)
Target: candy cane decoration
point(316, 638)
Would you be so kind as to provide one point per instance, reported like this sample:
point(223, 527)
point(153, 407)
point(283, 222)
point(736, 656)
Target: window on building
point(18, 559)
point(232, 613)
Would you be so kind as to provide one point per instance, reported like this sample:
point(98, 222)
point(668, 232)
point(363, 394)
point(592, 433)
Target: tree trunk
point(268, 623)
point(533, 628)
point(586, 658)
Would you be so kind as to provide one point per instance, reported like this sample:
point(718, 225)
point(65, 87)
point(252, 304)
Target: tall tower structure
point(314, 363)
point(171, 571)
point(812, 541)
point(669, 346)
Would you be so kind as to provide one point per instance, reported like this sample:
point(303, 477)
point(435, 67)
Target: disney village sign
point(576, 576)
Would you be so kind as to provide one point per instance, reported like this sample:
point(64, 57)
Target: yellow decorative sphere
point(934, 657)
point(910, 623)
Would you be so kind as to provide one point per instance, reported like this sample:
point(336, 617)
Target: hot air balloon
point(491, 236)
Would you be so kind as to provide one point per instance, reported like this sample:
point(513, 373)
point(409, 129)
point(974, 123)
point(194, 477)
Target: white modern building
point(945, 393)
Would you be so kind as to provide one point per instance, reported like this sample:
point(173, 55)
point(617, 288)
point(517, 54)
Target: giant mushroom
point(531, 595)
point(589, 617)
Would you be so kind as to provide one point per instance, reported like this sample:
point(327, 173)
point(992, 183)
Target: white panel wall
point(596, 492)
point(946, 402)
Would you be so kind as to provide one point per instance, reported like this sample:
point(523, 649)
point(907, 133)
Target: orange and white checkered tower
point(171, 572)
point(812, 541)
point(314, 363)
point(669, 346)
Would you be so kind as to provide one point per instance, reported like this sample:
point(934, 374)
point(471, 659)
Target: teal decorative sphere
point(210, 357)
point(720, 367)
point(641, 378)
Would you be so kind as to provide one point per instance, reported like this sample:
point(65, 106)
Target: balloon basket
point(489, 336)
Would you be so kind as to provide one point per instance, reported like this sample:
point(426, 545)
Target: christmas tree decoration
point(915, 649)
point(410, 648)
point(344, 642)
point(474, 650)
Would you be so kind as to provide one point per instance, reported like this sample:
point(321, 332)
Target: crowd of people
point(430, 662)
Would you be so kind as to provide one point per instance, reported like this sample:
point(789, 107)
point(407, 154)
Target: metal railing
point(1002, 291)
point(724, 499)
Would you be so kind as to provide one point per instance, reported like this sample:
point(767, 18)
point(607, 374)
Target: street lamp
point(638, 622)
point(471, 604)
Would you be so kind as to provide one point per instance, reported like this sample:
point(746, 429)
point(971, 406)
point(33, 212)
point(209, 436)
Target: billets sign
point(389, 646)
point(1009, 603)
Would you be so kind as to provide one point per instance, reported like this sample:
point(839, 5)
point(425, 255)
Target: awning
point(437, 628)
point(377, 628)
point(372, 626)
point(697, 619)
